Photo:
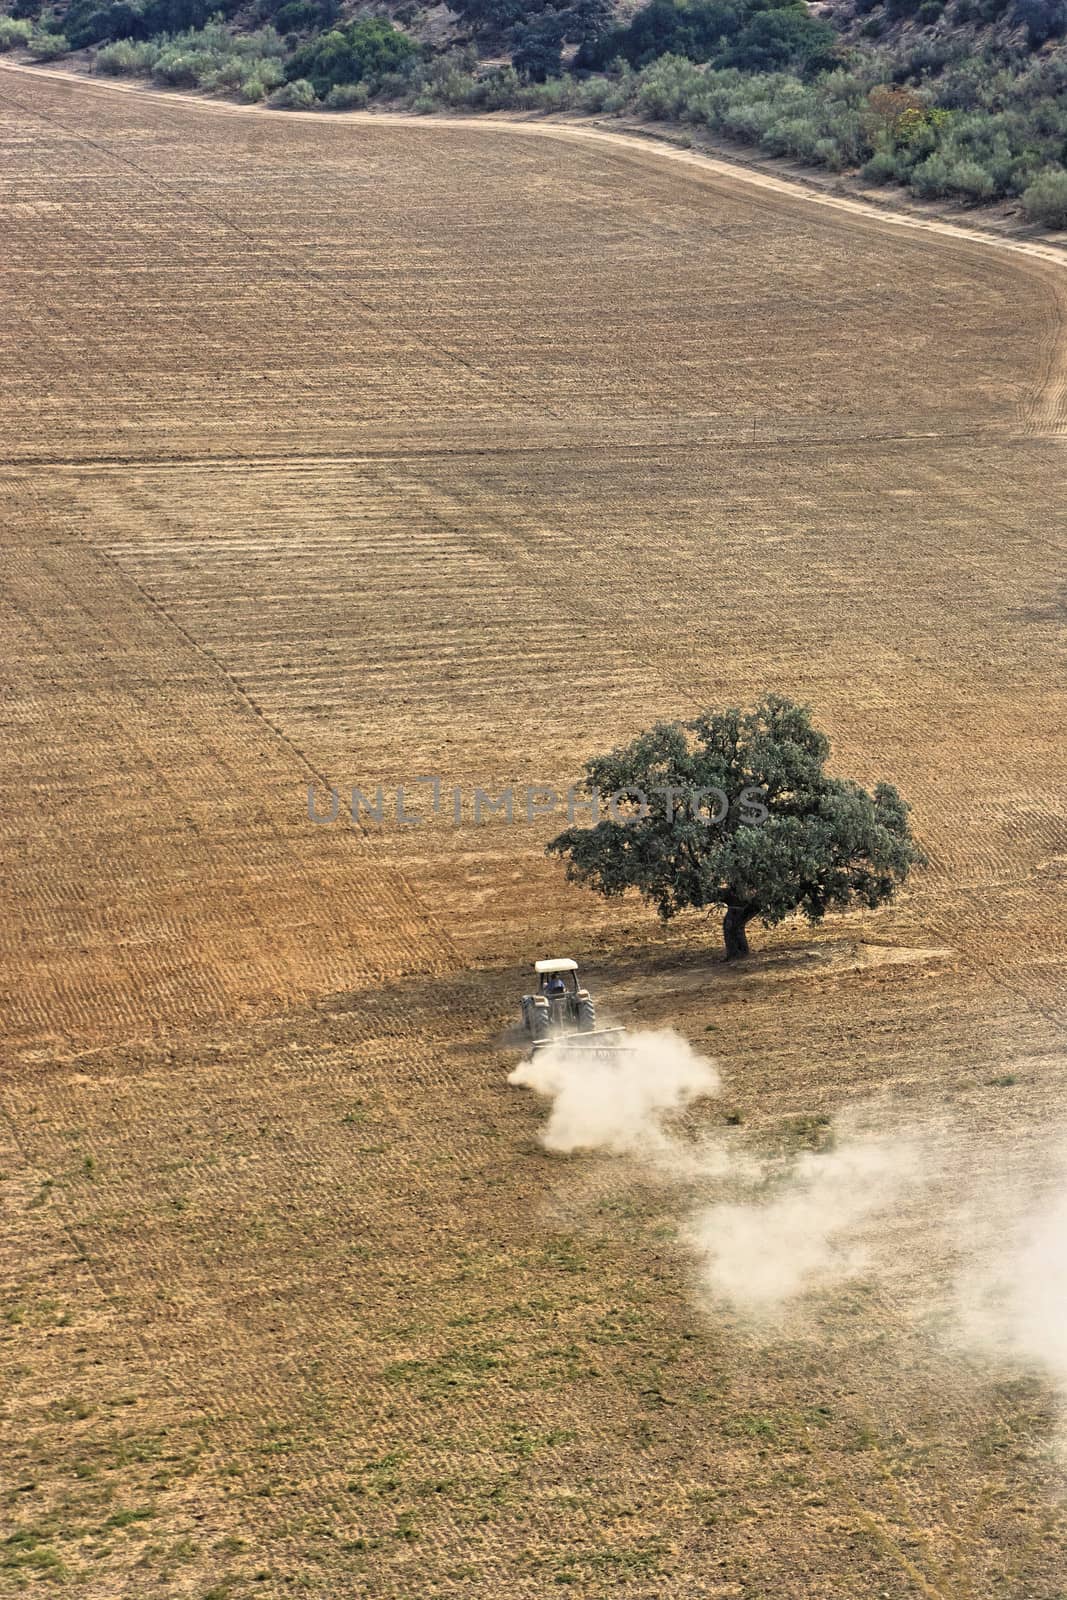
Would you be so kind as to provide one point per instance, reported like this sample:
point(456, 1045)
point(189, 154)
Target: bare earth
point(356, 450)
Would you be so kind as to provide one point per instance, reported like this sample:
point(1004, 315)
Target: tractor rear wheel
point(586, 1016)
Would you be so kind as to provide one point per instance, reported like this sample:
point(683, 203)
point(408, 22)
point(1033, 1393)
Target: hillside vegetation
point(955, 99)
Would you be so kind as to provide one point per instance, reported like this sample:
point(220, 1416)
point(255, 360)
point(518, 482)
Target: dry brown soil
point(352, 451)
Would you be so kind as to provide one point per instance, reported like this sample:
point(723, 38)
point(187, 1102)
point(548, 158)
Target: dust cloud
point(797, 1226)
point(763, 1234)
point(621, 1105)
point(807, 1232)
point(1011, 1302)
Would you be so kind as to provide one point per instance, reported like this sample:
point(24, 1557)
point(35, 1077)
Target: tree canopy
point(735, 810)
point(366, 48)
point(754, 35)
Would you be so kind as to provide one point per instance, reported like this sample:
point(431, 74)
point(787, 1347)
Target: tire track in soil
point(143, 940)
point(301, 269)
point(1047, 411)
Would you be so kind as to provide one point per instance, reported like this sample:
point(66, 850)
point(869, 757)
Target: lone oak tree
point(735, 809)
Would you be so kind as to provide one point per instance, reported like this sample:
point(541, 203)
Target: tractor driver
point(555, 985)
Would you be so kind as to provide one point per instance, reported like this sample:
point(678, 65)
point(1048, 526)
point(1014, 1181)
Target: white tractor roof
point(557, 964)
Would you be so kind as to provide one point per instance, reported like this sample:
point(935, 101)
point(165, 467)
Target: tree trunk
point(733, 930)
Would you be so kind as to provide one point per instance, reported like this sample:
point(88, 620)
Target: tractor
point(560, 1006)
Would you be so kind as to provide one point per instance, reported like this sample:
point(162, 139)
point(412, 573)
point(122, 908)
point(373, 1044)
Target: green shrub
point(14, 31)
point(942, 176)
point(1045, 200)
point(497, 90)
point(177, 69)
point(48, 46)
point(620, 90)
point(793, 136)
point(554, 95)
point(347, 96)
point(296, 96)
point(209, 58)
point(591, 95)
point(449, 81)
point(973, 181)
point(882, 167)
point(229, 73)
point(127, 58)
point(254, 80)
point(930, 178)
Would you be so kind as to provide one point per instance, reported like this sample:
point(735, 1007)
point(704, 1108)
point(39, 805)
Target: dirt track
point(361, 449)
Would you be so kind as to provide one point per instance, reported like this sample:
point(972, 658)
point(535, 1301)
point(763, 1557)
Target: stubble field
point(348, 451)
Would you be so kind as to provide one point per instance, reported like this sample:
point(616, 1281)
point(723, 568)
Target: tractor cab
point(555, 977)
point(560, 1005)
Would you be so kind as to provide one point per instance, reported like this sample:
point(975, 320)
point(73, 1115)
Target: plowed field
point(354, 451)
